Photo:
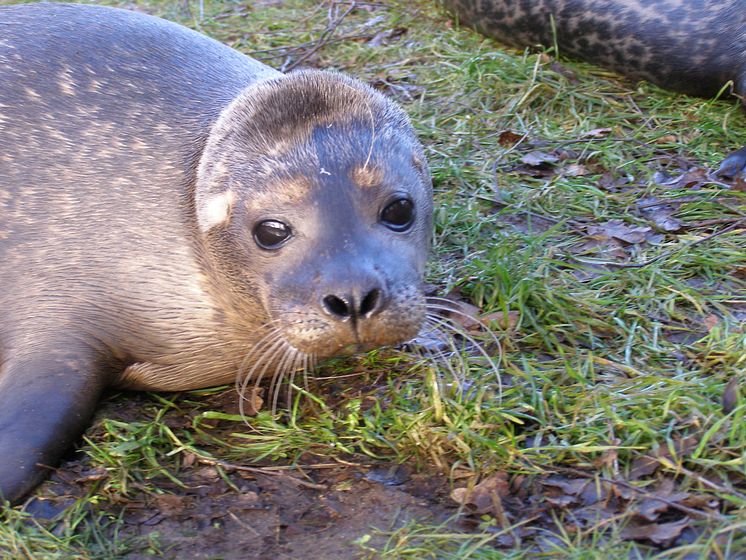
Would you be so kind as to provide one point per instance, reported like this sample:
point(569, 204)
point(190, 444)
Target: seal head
point(314, 205)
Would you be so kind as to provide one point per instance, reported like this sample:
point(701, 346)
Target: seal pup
point(173, 212)
point(695, 47)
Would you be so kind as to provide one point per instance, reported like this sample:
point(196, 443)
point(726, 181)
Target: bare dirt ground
point(251, 512)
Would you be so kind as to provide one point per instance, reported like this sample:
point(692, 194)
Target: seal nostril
point(336, 306)
point(370, 302)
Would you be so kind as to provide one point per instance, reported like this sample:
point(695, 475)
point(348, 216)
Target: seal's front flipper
point(46, 400)
point(733, 165)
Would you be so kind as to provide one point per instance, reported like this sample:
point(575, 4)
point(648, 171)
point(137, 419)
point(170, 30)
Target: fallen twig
point(325, 37)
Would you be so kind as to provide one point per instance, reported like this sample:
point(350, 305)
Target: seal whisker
point(461, 331)
point(264, 361)
point(257, 349)
point(434, 304)
point(268, 358)
point(437, 353)
point(434, 360)
point(278, 373)
point(308, 369)
point(274, 388)
point(458, 327)
point(294, 368)
point(372, 118)
point(438, 356)
point(286, 366)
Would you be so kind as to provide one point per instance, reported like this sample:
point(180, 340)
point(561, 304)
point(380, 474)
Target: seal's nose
point(354, 306)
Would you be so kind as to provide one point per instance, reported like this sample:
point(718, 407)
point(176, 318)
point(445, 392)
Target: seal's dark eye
point(271, 234)
point(399, 215)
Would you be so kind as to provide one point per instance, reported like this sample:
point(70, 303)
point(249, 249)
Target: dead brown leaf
point(613, 183)
point(667, 139)
point(171, 504)
point(572, 486)
point(604, 248)
point(583, 491)
point(608, 458)
point(701, 502)
point(659, 533)
point(597, 133)
point(661, 214)
point(188, 459)
point(92, 475)
point(208, 474)
point(486, 497)
point(564, 71)
point(501, 320)
point(730, 395)
point(508, 138)
point(537, 158)
point(252, 400)
point(711, 321)
point(690, 179)
point(576, 170)
point(651, 508)
point(561, 500)
point(649, 463)
point(617, 229)
point(464, 314)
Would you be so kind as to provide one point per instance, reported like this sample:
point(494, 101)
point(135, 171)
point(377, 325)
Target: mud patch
point(248, 512)
point(275, 517)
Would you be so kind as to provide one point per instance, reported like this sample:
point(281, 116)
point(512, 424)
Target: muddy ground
point(339, 510)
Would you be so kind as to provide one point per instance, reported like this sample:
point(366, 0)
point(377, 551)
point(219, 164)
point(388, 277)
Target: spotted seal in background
point(173, 212)
point(692, 46)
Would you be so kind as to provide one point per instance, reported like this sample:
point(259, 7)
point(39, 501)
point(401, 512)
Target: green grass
point(604, 363)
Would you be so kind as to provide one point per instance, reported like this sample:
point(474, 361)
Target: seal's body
point(695, 47)
point(172, 212)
